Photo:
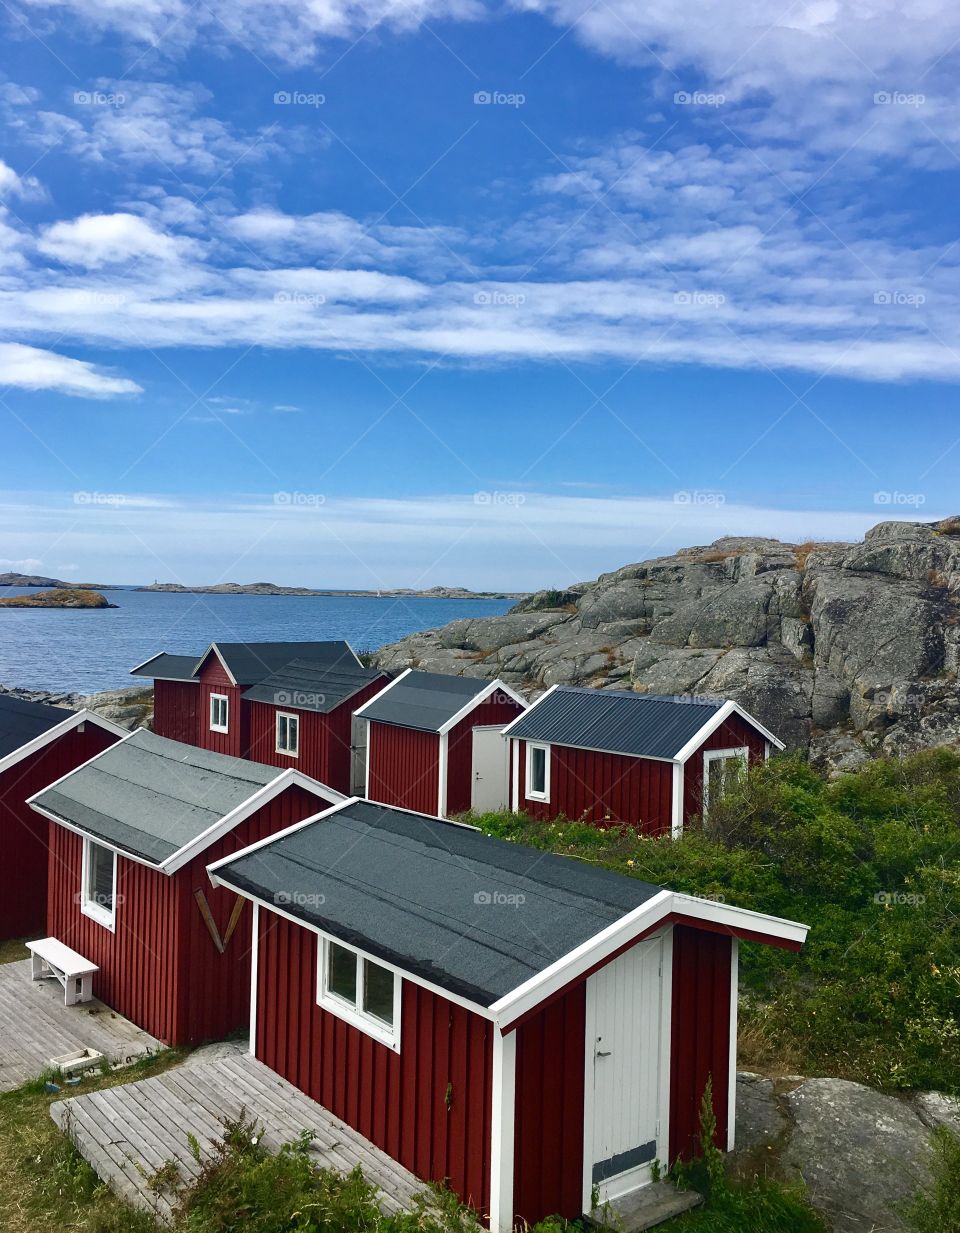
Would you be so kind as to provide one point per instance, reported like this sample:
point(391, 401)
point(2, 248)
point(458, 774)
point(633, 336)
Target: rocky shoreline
point(131, 708)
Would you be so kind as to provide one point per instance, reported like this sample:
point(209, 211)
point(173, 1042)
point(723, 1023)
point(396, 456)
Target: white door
point(627, 1080)
point(489, 789)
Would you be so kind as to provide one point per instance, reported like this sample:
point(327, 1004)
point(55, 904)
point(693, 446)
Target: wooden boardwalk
point(35, 1026)
point(128, 1133)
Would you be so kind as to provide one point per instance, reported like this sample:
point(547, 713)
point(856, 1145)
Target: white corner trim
point(442, 776)
point(386, 689)
point(74, 719)
point(732, 1073)
point(503, 1131)
point(676, 801)
point(531, 706)
point(254, 977)
point(514, 746)
point(366, 762)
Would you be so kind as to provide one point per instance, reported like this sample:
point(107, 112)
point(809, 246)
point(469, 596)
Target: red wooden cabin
point(38, 744)
point(532, 1030)
point(611, 756)
point(131, 833)
point(434, 742)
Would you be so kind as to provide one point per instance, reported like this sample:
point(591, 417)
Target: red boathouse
point(612, 756)
point(533, 1031)
point(435, 744)
point(131, 833)
point(38, 744)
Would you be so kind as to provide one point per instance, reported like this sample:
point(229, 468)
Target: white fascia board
point(476, 700)
point(531, 706)
point(739, 918)
point(729, 708)
point(73, 720)
point(223, 663)
point(263, 796)
point(386, 689)
point(146, 662)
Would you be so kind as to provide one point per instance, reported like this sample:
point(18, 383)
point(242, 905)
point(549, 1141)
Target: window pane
point(538, 770)
point(100, 877)
point(342, 972)
point(293, 734)
point(281, 731)
point(378, 991)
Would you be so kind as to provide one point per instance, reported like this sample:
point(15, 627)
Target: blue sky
point(377, 294)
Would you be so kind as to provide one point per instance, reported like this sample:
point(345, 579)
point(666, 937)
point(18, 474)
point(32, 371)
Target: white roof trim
point(477, 699)
point(73, 720)
point(532, 706)
point(729, 708)
point(376, 697)
point(223, 663)
point(353, 653)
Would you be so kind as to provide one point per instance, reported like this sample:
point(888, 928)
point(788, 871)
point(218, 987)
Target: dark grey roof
point(252, 662)
point(150, 796)
point(424, 700)
point(167, 667)
point(22, 722)
point(646, 725)
point(305, 685)
point(475, 915)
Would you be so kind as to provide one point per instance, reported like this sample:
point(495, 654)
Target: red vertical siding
point(499, 708)
point(24, 832)
point(214, 680)
point(548, 1161)
point(700, 1035)
point(176, 711)
point(161, 967)
point(404, 767)
point(732, 733)
point(324, 739)
point(603, 788)
point(399, 1101)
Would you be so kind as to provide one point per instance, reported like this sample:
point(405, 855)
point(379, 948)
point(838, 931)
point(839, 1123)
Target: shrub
point(936, 1209)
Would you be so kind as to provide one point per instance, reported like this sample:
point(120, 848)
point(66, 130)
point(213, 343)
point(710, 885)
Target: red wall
point(24, 832)
point(214, 680)
point(324, 739)
point(548, 1144)
point(603, 788)
point(397, 1100)
point(701, 1034)
point(404, 767)
point(499, 708)
point(731, 734)
point(161, 968)
point(176, 712)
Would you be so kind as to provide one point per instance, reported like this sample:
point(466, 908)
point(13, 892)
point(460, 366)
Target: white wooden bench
point(52, 959)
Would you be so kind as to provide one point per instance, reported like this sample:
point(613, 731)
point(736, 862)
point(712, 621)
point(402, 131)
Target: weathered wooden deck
point(35, 1026)
point(128, 1133)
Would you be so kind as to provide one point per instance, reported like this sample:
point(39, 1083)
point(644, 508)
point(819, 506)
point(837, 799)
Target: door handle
point(603, 1053)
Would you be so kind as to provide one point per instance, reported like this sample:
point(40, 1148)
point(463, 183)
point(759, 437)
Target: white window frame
point(225, 699)
point(88, 906)
point(351, 1012)
point(295, 720)
point(721, 755)
point(528, 792)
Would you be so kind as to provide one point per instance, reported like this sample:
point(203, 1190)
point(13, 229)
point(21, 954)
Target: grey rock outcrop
point(130, 708)
point(843, 650)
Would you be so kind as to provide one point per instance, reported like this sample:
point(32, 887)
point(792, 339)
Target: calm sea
point(82, 651)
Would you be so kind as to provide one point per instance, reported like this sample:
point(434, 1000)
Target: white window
point(537, 779)
point(98, 884)
point(361, 991)
point(219, 713)
point(722, 768)
point(288, 734)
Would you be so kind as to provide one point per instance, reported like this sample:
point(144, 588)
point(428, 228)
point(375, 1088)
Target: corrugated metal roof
point(22, 721)
point(252, 662)
point(151, 796)
point(424, 700)
point(167, 667)
point(474, 915)
point(617, 721)
point(308, 686)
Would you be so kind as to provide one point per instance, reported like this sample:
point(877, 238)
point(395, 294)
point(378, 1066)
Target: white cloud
point(26, 565)
point(95, 240)
point(30, 368)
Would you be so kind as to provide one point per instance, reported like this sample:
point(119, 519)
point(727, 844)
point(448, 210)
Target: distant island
point(38, 580)
point(59, 597)
point(271, 588)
